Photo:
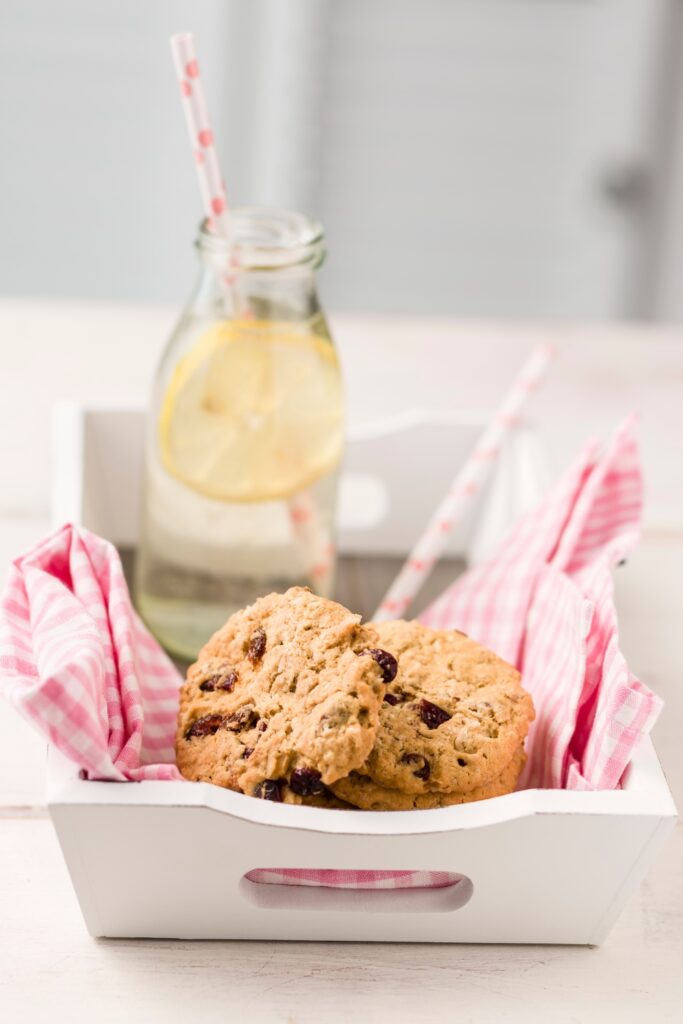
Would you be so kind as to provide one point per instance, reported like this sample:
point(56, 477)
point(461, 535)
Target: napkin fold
point(545, 602)
point(78, 663)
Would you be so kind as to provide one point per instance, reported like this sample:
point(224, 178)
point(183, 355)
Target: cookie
point(453, 716)
point(326, 801)
point(283, 700)
point(362, 792)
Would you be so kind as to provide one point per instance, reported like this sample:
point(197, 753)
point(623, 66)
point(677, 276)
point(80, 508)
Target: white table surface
point(50, 969)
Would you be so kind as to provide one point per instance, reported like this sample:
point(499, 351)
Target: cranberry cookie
point(362, 792)
point(453, 716)
point(283, 700)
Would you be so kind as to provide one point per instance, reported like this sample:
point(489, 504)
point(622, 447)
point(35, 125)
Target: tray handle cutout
point(360, 891)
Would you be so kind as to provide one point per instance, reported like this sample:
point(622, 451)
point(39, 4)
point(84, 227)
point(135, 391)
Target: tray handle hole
point(329, 889)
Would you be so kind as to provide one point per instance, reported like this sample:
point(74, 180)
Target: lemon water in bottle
point(244, 438)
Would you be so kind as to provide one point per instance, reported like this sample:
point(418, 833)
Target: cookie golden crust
point(362, 792)
point(282, 700)
point(453, 716)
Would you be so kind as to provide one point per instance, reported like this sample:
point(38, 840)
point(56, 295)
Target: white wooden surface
point(49, 967)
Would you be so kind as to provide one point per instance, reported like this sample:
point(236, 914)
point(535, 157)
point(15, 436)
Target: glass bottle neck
point(281, 295)
point(268, 269)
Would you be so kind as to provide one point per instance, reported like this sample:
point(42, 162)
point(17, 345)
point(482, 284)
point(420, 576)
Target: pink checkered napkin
point(77, 662)
point(545, 602)
point(333, 878)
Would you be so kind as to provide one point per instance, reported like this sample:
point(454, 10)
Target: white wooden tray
point(167, 859)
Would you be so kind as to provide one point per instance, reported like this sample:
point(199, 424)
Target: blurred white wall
point(98, 196)
point(667, 252)
point(473, 157)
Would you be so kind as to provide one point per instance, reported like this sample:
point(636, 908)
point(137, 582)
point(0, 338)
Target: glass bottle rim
point(265, 238)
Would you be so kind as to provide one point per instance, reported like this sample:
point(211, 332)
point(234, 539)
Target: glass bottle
point(245, 435)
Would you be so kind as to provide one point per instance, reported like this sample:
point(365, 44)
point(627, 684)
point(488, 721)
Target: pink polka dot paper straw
point(202, 140)
point(467, 484)
point(314, 541)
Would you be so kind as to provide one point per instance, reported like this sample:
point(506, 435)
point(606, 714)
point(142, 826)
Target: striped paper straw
point(467, 484)
point(211, 182)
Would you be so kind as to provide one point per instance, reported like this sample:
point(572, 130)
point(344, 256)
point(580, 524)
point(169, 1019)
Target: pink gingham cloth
point(545, 602)
point(333, 878)
point(77, 662)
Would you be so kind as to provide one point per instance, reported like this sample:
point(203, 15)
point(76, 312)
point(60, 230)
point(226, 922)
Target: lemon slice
point(253, 412)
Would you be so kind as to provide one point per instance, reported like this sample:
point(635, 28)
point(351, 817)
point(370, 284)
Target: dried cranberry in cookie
point(269, 789)
point(306, 782)
point(207, 725)
point(216, 675)
point(243, 719)
point(226, 682)
point(257, 646)
point(422, 766)
point(431, 715)
point(387, 662)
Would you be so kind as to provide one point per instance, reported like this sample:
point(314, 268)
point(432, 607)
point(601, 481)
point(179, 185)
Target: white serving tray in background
point(395, 471)
point(169, 859)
